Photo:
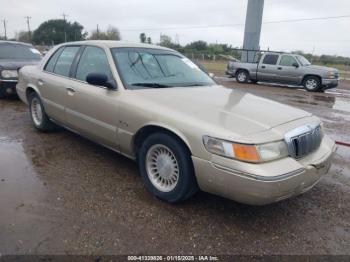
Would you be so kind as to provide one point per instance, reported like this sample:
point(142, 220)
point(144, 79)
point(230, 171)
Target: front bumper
point(330, 83)
point(8, 86)
point(230, 72)
point(254, 189)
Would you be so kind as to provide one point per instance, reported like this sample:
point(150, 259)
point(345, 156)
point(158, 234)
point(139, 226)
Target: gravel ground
point(62, 194)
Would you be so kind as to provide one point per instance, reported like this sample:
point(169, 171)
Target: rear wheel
point(312, 84)
point(38, 115)
point(242, 76)
point(166, 168)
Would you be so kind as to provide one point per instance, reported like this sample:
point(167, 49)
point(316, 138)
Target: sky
point(191, 20)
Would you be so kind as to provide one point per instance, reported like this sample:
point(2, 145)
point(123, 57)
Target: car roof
point(278, 53)
point(14, 42)
point(113, 43)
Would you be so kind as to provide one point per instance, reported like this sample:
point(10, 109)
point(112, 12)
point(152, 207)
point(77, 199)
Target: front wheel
point(242, 76)
point(38, 115)
point(312, 84)
point(166, 168)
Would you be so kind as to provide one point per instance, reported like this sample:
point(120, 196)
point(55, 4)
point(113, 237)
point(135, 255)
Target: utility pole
point(97, 32)
point(28, 27)
point(252, 30)
point(4, 21)
point(65, 21)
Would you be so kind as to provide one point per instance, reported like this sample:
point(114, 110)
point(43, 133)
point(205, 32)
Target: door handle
point(70, 89)
point(40, 82)
point(263, 67)
point(279, 68)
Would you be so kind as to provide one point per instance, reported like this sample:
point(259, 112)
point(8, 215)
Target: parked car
point(14, 55)
point(285, 69)
point(155, 106)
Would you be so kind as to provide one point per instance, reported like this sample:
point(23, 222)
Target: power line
point(239, 24)
point(307, 19)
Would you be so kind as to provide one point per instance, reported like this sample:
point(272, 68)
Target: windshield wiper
point(196, 84)
point(154, 85)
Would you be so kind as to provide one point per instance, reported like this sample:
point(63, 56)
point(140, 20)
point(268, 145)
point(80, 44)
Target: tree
point(23, 36)
point(143, 38)
point(198, 45)
point(57, 31)
point(165, 40)
point(112, 33)
point(149, 40)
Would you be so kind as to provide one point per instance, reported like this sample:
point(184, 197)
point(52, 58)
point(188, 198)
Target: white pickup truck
point(285, 68)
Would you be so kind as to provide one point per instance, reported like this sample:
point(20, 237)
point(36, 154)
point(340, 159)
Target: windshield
point(154, 68)
point(303, 61)
point(19, 52)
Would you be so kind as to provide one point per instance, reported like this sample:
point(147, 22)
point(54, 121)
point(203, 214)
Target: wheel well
point(29, 91)
point(242, 69)
point(319, 77)
point(146, 131)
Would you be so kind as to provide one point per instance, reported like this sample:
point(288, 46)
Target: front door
point(289, 70)
point(92, 110)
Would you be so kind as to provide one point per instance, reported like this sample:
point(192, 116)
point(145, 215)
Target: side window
point(287, 60)
point(93, 60)
point(270, 59)
point(50, 65)
point(65, 60)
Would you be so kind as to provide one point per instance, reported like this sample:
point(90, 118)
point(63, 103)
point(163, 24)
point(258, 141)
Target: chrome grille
point(303, 140)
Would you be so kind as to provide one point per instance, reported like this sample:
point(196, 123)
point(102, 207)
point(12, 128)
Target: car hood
point(16, 64)
point(322, 68)
point(217, 107)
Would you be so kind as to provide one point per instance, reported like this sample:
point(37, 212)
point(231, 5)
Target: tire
point(312, 84)
point(39, 118)
point(166, 168)
point(242, 76)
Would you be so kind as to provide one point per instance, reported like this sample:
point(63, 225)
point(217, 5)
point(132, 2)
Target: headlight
point(9, 73)
point(244, 152)
point(331, 75)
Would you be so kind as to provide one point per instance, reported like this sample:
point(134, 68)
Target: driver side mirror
point(296, 65)
point(99, 79)
point(212, 75)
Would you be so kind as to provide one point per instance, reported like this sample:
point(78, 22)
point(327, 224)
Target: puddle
point(342, 104)
point(336, 103)
point(19, 185)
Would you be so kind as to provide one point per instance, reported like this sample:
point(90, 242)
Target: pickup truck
point(285, 68)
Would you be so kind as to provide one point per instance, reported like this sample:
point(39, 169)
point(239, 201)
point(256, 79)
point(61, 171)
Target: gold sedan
point(157, 107)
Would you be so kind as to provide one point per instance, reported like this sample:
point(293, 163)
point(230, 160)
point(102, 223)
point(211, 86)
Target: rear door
point(54, 80)
point(289, 70)
point(93, 110)
point(267, 68)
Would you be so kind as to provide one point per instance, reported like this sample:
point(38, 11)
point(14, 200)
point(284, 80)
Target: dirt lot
point(61, 194)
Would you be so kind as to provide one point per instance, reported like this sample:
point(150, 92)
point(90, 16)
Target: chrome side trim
point(261, 178)
point(9, 80)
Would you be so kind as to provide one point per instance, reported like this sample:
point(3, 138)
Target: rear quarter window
point(50, 65)
point(65, 60)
